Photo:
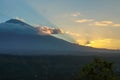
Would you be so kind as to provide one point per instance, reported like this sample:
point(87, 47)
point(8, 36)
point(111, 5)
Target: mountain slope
point(31, 43)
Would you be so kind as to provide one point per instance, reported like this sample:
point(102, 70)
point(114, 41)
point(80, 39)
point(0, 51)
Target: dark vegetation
point(48, 67)
point(99, 69)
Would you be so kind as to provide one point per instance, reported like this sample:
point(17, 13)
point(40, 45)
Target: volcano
point(18, 37)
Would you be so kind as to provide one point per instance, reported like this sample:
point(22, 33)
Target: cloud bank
point(104, 23)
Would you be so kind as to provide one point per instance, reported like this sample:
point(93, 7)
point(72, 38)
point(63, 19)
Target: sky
point(94, 23)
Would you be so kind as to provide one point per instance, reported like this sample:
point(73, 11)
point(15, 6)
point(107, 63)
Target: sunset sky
point(94, 23)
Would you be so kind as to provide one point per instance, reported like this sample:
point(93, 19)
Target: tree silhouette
point(97, 70)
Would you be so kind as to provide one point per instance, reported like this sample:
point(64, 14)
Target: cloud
point(105, 24)
point(100, 43)
point(76, 14)
point(84, 20)
point(105, 43)
point(44, 30)
point(116, 25)
point(72, 34)
point(71, 15)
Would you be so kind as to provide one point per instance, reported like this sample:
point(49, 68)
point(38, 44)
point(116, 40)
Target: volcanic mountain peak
point(16, 21)
point(17, 26)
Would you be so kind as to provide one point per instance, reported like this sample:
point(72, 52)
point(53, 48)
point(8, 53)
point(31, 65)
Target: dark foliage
point(99, 69)
point(46, 67)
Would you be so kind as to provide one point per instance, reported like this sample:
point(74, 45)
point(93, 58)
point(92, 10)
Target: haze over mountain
point(19, 37)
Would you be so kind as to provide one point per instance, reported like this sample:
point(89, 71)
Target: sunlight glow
point(101, 43)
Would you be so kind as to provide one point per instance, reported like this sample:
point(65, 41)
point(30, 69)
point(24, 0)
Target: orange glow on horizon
point(100, 43)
